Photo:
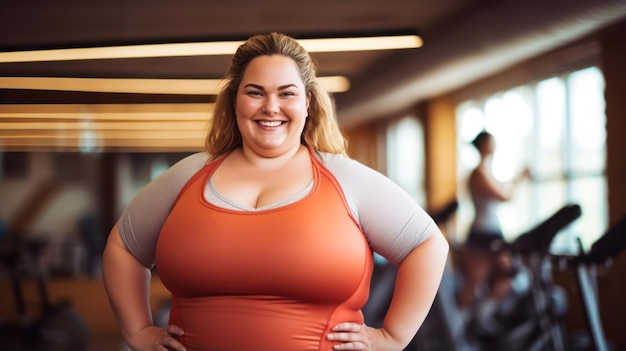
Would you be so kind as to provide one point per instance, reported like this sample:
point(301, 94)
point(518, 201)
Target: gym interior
point(60, 198)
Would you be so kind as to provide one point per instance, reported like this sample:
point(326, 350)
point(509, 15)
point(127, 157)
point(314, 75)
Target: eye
point(287, 94)
point(254, 93)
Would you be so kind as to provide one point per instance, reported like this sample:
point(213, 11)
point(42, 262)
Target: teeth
point(270, 123)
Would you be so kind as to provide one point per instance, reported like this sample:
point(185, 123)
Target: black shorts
point(484, 240)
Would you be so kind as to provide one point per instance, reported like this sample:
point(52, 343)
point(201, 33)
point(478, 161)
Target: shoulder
point(189, 165)
point(195, 160)
point(170, 182)
point(479, 174)
point(359, 182)
point(389, 217)
point(341, 165)
point(332, 159)
point(142, 219)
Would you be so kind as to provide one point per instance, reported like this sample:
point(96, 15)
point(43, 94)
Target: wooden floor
point(87, 299)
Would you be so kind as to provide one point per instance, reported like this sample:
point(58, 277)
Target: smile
point(270, 123)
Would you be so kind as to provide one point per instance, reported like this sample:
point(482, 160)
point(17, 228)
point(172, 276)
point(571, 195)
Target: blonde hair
point(321, 131)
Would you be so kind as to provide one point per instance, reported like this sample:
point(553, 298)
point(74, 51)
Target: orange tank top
point(275, 279)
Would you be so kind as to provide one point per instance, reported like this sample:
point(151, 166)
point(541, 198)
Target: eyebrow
point(282, 87)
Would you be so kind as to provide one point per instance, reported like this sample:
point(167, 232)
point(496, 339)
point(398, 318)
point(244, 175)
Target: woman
point(482, 267)
point(265, 240)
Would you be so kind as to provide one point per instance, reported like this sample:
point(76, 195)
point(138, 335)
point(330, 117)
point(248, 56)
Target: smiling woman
point(235, 232)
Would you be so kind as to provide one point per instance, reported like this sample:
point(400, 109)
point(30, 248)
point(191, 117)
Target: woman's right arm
point(127, 283)
point(126, 262)
point(488, 185)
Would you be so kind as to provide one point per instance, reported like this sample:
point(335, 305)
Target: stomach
point(244, 323)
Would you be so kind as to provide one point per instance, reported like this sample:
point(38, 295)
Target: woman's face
point(271, 106)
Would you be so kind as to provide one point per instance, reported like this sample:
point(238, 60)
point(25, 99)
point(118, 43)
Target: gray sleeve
point(393, 222)
point(140, 223)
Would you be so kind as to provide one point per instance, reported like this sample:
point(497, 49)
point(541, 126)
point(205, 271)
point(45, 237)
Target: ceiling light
point(332, 84)
point(207, 48)
point(107, 112)
point(81, 124)
point(130, 127)
point(114, 85)
point(362, 44)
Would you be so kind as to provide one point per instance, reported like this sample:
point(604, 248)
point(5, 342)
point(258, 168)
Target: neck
point(486, 160)
point(269, 162)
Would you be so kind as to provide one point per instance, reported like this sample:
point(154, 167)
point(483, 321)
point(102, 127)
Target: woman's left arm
point(417, 282)
point(401, 231)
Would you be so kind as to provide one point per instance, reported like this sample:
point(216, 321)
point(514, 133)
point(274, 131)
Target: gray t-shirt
point(393, 223)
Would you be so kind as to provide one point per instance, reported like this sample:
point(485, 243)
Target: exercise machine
point(544, 327)
point(585, 266)
point(531, 318)
point(56, 326)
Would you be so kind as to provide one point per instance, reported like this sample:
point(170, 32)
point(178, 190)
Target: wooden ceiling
point(69, 23)
point(464, 40)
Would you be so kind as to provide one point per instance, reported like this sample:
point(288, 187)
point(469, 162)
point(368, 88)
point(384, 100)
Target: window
point(556, 127)
point(405, 157)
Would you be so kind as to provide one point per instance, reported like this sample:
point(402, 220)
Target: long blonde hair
point(321, 131)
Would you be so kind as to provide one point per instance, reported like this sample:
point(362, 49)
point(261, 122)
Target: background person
point(486, 274)
point(265, 240)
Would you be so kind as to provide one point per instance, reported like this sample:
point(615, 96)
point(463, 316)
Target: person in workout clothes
point(266, 239)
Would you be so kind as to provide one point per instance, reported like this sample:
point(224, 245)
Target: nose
point(271, 105)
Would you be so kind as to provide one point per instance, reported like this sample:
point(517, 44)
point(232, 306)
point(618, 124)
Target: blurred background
point(98, 98)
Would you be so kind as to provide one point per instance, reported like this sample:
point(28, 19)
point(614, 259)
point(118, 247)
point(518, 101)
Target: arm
point(486, 184)
point(127, 283)
point(400, 230)
point(125, 262)
point(417, 282)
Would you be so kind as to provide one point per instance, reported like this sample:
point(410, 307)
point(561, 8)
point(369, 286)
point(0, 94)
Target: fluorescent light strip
point(109, 112)
point(362, 44)
point(206, 48)
point(115, 85)
point(101, 127)
point(123, 52)
point(43, 143)
point(97, 126)
point(106, 134)
point(332, 84)
point(104, 140)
